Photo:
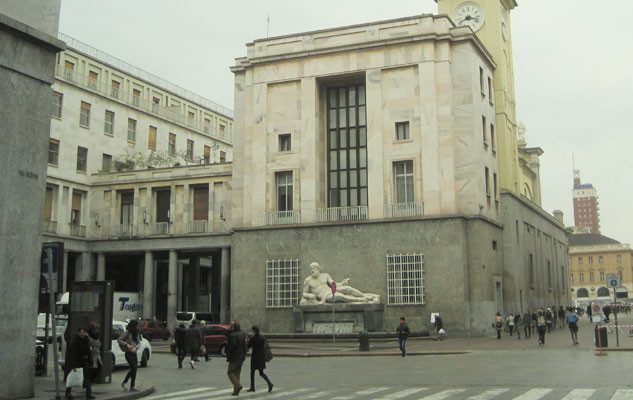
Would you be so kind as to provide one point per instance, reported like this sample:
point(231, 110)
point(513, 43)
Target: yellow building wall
point(588, 261)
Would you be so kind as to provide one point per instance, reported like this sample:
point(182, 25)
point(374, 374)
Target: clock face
point(471, 15)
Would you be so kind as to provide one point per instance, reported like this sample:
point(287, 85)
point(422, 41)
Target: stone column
point(65, 272)
point(194, 283)
point(83, 267)
point(148, 285)
point(225, 283)
point(101, 265)
point(172, 281)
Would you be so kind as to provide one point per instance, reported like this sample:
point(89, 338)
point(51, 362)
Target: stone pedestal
point(348, 318)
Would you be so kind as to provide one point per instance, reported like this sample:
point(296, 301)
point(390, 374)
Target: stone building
point(138, 184)
point(592, 257)
point(376, 150)
point(586, 206)
point(28, 44)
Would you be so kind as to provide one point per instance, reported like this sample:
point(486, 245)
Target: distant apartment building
point(138, 181)
point(592, 257)
point(586, 206)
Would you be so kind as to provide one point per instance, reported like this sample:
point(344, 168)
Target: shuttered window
point(207, 154)
point(200, 203)
point(48, 204)
point(151, 141)
point(75, 215)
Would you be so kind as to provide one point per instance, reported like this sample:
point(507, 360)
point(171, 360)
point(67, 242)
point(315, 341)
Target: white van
point(185, 317)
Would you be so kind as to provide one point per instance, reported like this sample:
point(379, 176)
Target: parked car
point(215, 339)
point(151, 329)
point(186, 317)
point(144, 351)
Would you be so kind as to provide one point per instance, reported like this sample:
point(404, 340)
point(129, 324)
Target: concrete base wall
point(454, 249)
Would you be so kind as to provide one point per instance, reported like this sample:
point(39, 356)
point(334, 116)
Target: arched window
point(603, 292)
point(582, 292)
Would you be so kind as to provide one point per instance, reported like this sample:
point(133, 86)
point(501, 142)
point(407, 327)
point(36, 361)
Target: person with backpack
point(498, 324)
point(572, 322)
point(129, 342)
point(258, 345)
point(527, 324)
point(541, 327)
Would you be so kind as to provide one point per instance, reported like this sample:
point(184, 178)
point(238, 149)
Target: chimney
point(558, 214)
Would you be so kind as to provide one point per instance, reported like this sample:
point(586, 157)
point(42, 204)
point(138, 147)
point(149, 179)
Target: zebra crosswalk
point(404, 393)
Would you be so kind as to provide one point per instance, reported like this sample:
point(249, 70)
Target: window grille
point(405, 279)
point(282, 283)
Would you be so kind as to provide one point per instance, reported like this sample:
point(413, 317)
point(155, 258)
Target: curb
point(357, 353)
point(133, 395)
point(612, 349)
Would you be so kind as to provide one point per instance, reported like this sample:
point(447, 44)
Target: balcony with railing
point(125, 230)
point(77, 230)
point(403, 210)
point(171, 113)
point(159, 228)
point(199, 226)
point(283, 218)
point(334, 214)
point(49, 226)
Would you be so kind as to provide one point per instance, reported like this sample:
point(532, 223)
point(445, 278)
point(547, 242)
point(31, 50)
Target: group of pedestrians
point(190, 341)
point(83, 357)
point(539, 321)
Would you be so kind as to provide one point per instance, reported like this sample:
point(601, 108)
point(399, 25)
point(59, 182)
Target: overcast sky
point(573, 69)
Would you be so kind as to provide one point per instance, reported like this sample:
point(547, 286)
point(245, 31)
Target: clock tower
point(490, 20)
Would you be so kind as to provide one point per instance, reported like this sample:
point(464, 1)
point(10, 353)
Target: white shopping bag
point(75, 378)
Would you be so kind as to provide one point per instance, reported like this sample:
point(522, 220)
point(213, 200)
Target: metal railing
point(49, 226)
point(146, 76)
point(283, 217)
point(159, 228)
point(400, 210)
point(199, 226)
point(124, 230)
point(172, 113)
point(333, 214)
point(77, 230)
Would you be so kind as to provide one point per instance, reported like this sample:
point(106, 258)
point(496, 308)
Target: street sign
point(613, 280)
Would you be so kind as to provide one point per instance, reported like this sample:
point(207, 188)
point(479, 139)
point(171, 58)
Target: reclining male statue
point(317, 290)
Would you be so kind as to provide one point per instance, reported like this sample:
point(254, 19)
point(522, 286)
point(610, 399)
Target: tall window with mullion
point(284, 191)
point(347, 146)
point(282, 283)
point(403, 178)
point(405, 279)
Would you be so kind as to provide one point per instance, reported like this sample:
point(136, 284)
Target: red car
point(151, 329)
point(215, 339)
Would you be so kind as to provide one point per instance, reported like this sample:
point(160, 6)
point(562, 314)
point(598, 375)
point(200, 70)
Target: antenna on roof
point(267, 25)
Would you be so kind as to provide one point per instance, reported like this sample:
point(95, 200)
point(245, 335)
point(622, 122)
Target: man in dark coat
point(235, 356)
point(78, 357)
point(193, 342)
point(181, 347)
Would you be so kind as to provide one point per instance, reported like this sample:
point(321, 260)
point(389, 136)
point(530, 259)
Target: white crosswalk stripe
point(212, 395)
point(165, 395)
point(317, 395)
point(579, 394)
point(534, 394)
point(443, 395)
point(489, 394)
point(401, 393)
point(623, 394)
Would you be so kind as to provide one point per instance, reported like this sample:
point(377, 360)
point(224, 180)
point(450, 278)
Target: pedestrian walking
point(403, 332)
point(203, 348)
point(561, 317)
point(78, 357)
point(541, 327)
point(510, 323)
point(438, 326)
point(96, 362)
point(193, 342)
point(572, 322)
point(181, 347)
point(517, 324)
point(589, 312)
point(235, 356)
point(129, 342)
point(498, 324)
point(549, 320)
point(527, 324)
point(257, 343)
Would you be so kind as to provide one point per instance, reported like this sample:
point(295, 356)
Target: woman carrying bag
point(258, 358)
point(77, 363)
point(129, 343)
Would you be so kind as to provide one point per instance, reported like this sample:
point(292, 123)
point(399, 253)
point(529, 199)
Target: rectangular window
point(84, 115)
point(53, 151)
point(127, 208)
point(75, 209)
point(494, 185)
point(347, 146)
point(490, 97)
point(402, 130)
point(484, 131)
point(108, 127)
point(82, 159)
point(282, 283)
point(136, 97)
point(549, 275)
point(591, 277)
point(580, 260)
point(189, 154)
point(601, 276)
point(69, 70)
point(405, 279)
point(207, 154)
point(590, 260)
point(600, 260)
point(190, 117)
point(487, 179)
point(493, 140)
point(206, 127)
point(222, 156)
point(284, 191)
point(171, 145)
point(92, 79)
point(285, 143)
point(115, 88)
point(151, 138)
point(201, 203)
point(106, 163)
point(57, 104)
point(155, 104)
point(403, 179)
point(481, 80)
point(581, 277)
point(48, 203)
point(131, 130)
